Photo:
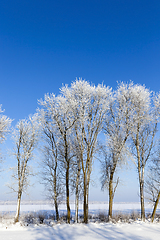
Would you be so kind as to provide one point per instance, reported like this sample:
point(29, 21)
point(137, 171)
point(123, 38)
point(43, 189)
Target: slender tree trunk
point(76, 202)
point(142, 196)
point(141, 185)
point(141, 177)
point(16, 219)
point(67, 178)
point(155, 206)
point(110, 197)
point(87, 205)
point(142, 201)
point(55, 195)
point(87, 184)
point(67, 193)
point(77, 193)
point(77, 207)
point(111, 191)
point(56, 208)
point(85, 201)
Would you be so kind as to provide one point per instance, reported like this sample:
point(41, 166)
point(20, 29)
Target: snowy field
point(134, 231)
point(94, 207)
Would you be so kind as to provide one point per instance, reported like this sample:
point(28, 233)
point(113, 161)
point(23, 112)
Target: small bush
point(81, 216)
point(125, 217)
point(41, 217)
point(134, 215)
point(52, 217)
point(90, 216)
point(103, 217)
point(30, 218)
point(63, 218)
point(1, 217)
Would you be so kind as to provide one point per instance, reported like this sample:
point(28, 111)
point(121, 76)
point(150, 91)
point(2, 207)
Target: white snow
point(91, 231)
point(121, 231)
point(94, 207)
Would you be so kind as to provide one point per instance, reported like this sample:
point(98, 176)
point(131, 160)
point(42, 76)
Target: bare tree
point(25, 138)
point(90, 104)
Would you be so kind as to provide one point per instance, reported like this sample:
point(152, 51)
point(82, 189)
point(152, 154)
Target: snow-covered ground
point(134, 231)
point(91, 231)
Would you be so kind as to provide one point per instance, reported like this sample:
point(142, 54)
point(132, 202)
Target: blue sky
point(46, 43)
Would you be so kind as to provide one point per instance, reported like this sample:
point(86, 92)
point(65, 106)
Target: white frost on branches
point(25, 137)
point(5, 123)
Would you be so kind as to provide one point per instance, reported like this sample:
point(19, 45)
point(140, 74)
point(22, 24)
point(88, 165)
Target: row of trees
point(68, 128)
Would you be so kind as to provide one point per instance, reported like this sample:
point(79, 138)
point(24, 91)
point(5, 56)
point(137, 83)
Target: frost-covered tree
point(152, 184)
point(25, 137)
point(90, 104)
point(78, 185)
point(59, 110)
point(5, 123)
point(77, 179)
point(117, 127)
point(144, 118)
point(51, 173)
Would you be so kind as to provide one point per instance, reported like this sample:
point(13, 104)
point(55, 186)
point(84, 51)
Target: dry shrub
point(30, 218)
point(125, 217)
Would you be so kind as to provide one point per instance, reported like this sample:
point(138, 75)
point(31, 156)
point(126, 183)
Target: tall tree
point(117, 127)
point(144, 128)
point(90, 105)
point(77, 179)
point(51, 173)
point(25, 138)
point(59, 110)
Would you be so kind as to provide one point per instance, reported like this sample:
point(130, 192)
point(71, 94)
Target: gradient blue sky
point(46, 43)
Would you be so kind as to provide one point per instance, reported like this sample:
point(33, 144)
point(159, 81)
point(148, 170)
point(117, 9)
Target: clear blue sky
point(46, 43)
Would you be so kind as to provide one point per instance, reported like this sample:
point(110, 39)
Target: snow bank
point(92, 231)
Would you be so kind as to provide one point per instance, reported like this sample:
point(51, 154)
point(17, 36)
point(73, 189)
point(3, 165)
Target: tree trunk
point(142, 196)
point(155, 206)
point(86, 194)
point(56, 208)
point(16, 219)
point(55, 200)
point(110, 197)
point(141, 176)
point(141, 185)
point(76, 206)
point(67, 193)
point(85, 201)
point(55, 195)
point(111, 192)
point(87, 184)
point(77, 193)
